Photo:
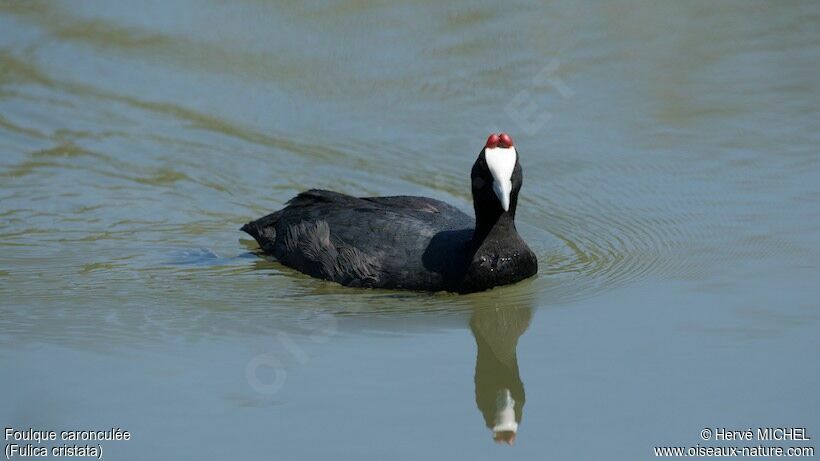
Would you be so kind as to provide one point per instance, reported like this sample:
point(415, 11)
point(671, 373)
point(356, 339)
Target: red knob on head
point(505, 140)
point(492, 141)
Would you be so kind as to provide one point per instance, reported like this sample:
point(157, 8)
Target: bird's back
point(385, 242)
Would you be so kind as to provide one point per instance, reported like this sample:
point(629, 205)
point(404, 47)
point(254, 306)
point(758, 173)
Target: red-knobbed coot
point(414, 243)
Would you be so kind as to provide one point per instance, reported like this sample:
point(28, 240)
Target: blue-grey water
point(671, 156)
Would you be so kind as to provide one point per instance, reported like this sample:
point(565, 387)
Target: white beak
point(501, 162)
point(502, 189)
point(504, 412)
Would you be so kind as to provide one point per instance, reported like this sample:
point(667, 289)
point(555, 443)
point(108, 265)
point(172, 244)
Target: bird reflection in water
point(499, 392)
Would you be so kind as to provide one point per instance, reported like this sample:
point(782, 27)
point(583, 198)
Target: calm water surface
point(671, 192)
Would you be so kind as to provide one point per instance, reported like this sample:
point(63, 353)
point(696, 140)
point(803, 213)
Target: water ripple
point(130, 145)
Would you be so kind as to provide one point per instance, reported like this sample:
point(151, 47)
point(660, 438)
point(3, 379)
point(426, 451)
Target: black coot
point(414, 243)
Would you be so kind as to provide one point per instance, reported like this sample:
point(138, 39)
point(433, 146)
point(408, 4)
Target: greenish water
point(671, 192)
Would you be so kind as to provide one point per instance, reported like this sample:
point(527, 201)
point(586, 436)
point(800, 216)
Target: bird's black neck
point(497, 255)
point(492, 224)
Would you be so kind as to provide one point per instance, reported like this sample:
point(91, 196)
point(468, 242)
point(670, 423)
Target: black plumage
point(405, 242)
